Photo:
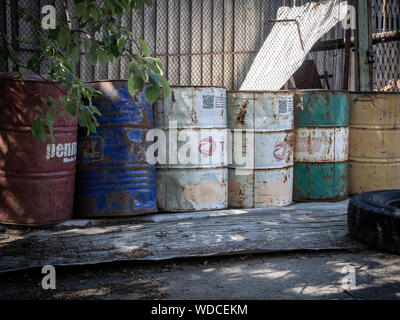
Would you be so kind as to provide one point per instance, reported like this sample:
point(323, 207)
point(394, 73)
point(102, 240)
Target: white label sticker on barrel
point(290, 104)
point(220, 102)
point(66, 151)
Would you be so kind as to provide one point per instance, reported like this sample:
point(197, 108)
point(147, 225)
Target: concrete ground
point(300, 275)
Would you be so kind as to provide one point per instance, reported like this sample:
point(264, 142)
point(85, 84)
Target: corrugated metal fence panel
point(208, 42)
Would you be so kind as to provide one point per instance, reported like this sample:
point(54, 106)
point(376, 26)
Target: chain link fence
point(215, 42)
point(386, 39)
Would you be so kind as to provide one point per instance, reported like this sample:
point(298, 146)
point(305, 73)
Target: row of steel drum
point(214, 149)
point(199, 148)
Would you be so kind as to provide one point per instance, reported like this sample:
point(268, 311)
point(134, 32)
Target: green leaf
point(38, 130)
point(103, 57)
point(50, 116)
point(159, 65)
point(95, 110)
point(62, 38)
point(152, 93)
point(145, 47)
point(93, 55)
point(80, 9)
point(131, 85)
point(51, 131)
point(75, 54)
point(69, 105)
point(21, 70)
point(95, 14)
point(155, 78)
point(121, 43)
point(91, 127)
point(166, 87)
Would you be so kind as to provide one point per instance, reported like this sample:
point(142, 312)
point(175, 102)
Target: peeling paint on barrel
point(374, 148)
point(37, 179)
point(321, 145)
point(269, 115)
point(113, 176)
point(201, 185)
point(320, 181)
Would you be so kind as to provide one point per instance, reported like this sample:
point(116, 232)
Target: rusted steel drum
point(194, 175)
point(321, 145)
point(374, 142)
point(36, 178)
point(113, 175)
point(266, 179)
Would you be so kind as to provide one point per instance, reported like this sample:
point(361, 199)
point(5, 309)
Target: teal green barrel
point(321, 145)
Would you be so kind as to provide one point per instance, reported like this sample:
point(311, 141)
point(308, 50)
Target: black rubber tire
point(374, 219)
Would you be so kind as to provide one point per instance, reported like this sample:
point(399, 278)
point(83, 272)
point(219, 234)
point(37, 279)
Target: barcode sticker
point(208, 102)
point(283, 106)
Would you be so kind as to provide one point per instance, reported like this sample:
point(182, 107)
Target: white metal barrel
point(263, 176)
point(195, 175)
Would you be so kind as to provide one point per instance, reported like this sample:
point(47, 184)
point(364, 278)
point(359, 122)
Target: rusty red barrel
point(36, 178)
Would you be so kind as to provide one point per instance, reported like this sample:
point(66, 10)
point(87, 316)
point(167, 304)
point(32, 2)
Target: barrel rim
point(106, 80)
point(194, 87)
point(262, 91)
point(374, 92)
point(321, 91)
point(27, 77)
point(172, 87)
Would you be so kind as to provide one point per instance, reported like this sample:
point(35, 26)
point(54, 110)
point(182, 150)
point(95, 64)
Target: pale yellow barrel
point(374, 149)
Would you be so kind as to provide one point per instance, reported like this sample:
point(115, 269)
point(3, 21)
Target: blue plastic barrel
point(113, 176)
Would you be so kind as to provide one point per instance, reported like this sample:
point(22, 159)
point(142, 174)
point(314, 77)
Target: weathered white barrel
point(194, 176)
point(265, 177)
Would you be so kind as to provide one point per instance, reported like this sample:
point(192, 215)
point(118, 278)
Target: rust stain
point(242, 113)
point(194, 115)
point(289, 142)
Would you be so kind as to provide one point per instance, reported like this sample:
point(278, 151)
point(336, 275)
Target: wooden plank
point(127, 23)
point(87, 70)
point(185, 36)
point(239, 41)
point(137, 26)
point(196, 40)
point(3, 29)
point(228, 43)
point(173, 41)
point(207, 40)
point(252, 38)
point(162, 32)
point(243, 231)
point(149, 30)
point(364, 43)
point(218, 43)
